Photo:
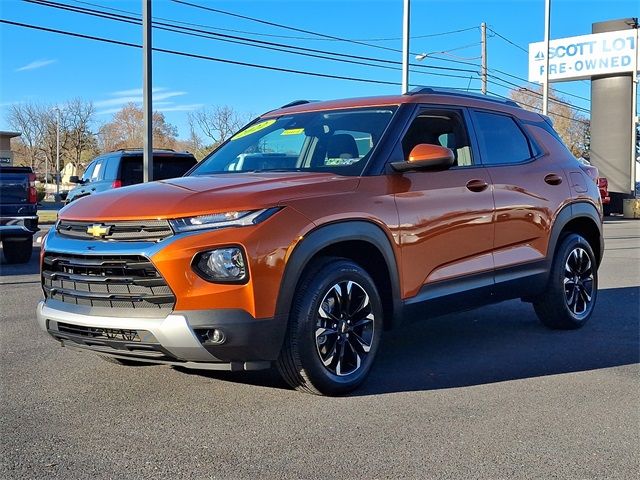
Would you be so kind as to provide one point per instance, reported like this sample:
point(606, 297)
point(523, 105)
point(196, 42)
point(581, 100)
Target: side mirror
point(75, 179)
point(425, 156)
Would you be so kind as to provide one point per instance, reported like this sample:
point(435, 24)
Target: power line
point(309, 32)
point(555, 100)
point(286, 27)
point(234, 62)
point(276, 46)
point(250, 42)
point(508, 41)
point(538, 109)
point(202, 57)
point(194, 5)
point(519, 47)
point(292, 37)
point(533, 83)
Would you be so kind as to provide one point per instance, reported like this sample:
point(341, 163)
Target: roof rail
point(297, 102)
point(141, 149)
point(460, 93)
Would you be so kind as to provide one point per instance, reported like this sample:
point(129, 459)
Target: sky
point(52, 68)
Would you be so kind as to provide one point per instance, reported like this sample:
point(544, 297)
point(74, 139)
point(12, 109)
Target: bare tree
point(217, 123)
point(78, 138)
point(126, 130)
point(23, 118)
point(573, 128)
point(40, 124)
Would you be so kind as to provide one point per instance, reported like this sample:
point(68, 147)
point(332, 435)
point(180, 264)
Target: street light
point(57, 154)
point(57, 196)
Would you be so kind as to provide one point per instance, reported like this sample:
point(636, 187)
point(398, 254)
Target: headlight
point(224, 265)
point(220, 220)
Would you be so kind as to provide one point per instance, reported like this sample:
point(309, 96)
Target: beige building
point(6, 155)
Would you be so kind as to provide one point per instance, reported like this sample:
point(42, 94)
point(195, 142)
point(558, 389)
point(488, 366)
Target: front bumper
point(173, 339)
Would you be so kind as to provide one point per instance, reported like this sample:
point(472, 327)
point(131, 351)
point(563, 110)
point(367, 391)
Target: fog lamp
point(224, 265)
point(215, 336)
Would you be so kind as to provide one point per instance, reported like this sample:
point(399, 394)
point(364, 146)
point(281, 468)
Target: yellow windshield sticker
point(253, 129)
point(293, 131)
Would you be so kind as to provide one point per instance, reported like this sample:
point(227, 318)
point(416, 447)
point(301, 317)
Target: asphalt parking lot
point(488, 393)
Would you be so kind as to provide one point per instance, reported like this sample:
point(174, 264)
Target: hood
point(191, 196)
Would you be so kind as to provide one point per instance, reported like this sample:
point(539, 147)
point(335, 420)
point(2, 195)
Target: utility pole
point(57, 154)
point(147, 104)
point(406, 17)
point(634, 109)
point(483, 41)
point(547, 28)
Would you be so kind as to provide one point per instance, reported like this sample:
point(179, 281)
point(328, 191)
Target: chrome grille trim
point(135, 230)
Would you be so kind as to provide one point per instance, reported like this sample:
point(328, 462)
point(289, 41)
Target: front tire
point(334, 329)
point(17, 250)
point(570, 296)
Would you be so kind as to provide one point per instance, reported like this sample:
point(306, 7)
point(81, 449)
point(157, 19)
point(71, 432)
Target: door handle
point(477, 185)
point(553, 179)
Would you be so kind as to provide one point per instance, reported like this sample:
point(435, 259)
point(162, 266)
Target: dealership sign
point(581, 57)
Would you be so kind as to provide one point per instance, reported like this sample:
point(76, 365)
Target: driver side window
point(440, 127)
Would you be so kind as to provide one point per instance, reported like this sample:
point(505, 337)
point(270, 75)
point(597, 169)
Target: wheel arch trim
point(326, 235)
point(570, 213)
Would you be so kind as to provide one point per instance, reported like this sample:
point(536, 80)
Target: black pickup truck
point(18, 213)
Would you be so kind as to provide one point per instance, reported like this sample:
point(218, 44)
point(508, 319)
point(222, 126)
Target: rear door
point(529, 187)
point(445, 216)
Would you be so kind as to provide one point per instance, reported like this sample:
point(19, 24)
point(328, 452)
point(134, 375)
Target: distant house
point(67, 172)
point(6, 155)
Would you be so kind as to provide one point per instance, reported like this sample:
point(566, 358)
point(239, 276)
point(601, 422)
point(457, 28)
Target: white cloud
point(158, 107)
point(181, 108)
point(132, 96)
point(35, 64)
point(108, 111)
point(135, 91)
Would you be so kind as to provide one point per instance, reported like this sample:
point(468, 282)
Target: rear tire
point(334, 329)
point(570, 296)
point(17, 250)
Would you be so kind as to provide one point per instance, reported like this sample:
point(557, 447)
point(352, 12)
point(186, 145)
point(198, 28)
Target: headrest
point(342, 145)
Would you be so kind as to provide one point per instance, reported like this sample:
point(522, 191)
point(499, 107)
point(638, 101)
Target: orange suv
point(322, 224)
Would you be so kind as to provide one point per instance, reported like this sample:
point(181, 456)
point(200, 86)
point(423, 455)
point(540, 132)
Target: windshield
point(337, 141)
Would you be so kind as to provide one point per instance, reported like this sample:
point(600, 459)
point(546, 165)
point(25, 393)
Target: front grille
point(115, 281)
point(134, 343)
point(118, 334)
point(139, 230)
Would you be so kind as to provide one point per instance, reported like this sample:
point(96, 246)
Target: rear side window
point(131, 171)
point(171, 167)
point(501, 140)
point(111, 168)
point(164, 167)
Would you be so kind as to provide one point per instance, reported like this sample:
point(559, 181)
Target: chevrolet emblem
point(98, 230)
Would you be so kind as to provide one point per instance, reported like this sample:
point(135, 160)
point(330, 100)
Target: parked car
point(318, 226)
point(602, 182)
point(18, 213)
point(124, 167)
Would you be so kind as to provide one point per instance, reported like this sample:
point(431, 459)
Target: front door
point(446, 227)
